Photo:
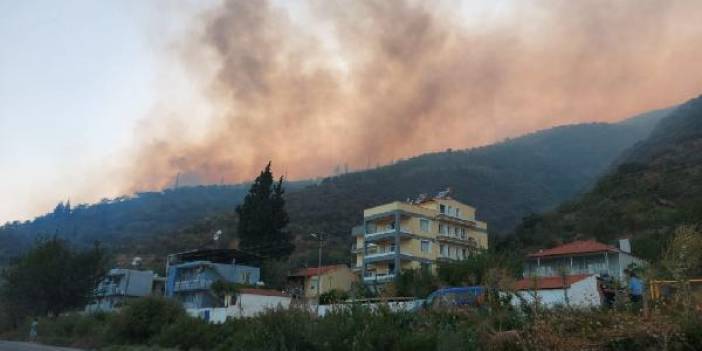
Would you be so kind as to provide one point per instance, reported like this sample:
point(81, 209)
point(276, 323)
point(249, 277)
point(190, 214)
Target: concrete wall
point(582, 294)
point(247, 305)
point(396, 306)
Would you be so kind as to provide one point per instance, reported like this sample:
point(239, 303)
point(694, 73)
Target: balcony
point(355, 249)
point(390, 256)
point(457, 220)
point(109, 290)
point(195, 284)
point(467, 241)
point(386, 234)
point(379, 278)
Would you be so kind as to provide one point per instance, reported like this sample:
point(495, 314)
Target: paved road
point(24, 346)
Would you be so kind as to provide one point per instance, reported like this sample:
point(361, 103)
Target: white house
point(248, 303)
point(579, 290)
point(582, 257)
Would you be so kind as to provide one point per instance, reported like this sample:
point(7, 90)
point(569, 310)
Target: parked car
point(469, 296)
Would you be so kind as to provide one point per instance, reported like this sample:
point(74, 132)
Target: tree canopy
point(263, 218)
point(51, 278)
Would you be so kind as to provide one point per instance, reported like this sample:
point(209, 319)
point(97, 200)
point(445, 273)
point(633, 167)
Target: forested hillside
point(125, 220)
point(656, 187)
point(505, 181)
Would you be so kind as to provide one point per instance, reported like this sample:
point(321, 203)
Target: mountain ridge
point(655, 186)
point(504, 181)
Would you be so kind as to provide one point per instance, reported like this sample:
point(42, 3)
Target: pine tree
point(263, 218)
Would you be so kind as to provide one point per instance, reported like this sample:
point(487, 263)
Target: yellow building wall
point(428, 210)
point(339, 279)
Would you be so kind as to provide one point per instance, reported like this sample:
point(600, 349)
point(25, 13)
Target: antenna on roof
point(177, 181)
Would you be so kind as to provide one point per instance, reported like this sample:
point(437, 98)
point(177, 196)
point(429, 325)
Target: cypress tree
point(263, 218)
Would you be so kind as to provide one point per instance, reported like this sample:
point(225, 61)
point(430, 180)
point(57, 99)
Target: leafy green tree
point(50, 279)
point(475, 269)
point(263, 218)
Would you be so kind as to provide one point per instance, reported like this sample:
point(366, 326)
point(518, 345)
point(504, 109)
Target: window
point(424, 225)
point(442, 209)
point(245, 277)
point(456, 230)
point(458, 213)
point(450, 211)
point(463, 233)
point(442, 229)
point(444, 250)
point(464, 253)
point(426, 246)
point(313, 283)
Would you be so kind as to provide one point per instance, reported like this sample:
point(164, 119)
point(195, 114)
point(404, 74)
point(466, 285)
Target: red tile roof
point(575, 247)
point(308, 272)
point(262, 292)
point(544, 283)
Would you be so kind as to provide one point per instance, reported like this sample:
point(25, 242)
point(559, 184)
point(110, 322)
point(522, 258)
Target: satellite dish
point(217, 235)
point(136, 261)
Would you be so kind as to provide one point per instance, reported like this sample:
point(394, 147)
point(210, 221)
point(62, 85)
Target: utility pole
point(320, 238)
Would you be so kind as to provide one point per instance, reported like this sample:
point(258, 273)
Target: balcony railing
point(378, 278)
point(388, 233)
point(196, 284)
point(109, 290)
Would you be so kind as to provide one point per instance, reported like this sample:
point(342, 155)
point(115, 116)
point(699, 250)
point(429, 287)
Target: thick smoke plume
point(366, 82)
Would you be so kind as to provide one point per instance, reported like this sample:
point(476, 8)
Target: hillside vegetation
point(505, 181)
point(656, 187)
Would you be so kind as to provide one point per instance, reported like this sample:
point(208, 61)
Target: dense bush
point(333, 296)
point(144, 319)
point(358, 329)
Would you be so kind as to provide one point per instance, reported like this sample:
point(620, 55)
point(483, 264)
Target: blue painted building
point(190, 275)
point(120, 284)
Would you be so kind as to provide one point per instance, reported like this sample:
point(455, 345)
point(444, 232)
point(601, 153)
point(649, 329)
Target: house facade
point(190, 276)
point(415, 234)
point(248, 303)
point(578, 290)
point(582, 257)
point(333, 277)
point(120, 284)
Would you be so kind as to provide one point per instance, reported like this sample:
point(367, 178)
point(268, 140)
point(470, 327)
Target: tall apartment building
point(415, 234)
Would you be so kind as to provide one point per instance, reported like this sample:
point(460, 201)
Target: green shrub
point(144, 319)
point(274, 330)
point(189, 333)
point(333, 296)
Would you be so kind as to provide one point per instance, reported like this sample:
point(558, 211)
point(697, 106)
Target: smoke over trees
point(368, 81)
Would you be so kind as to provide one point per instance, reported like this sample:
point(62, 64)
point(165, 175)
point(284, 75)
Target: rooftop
point(575, 247)
point(308, 272)
point(545, 283)
point(215, 255)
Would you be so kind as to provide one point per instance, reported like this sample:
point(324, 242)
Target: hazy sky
point(99, 98)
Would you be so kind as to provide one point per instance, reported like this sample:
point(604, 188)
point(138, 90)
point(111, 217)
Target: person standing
point(635, 287)
point(33, 333)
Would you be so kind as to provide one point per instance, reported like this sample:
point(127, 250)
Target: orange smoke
point(373, 81)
